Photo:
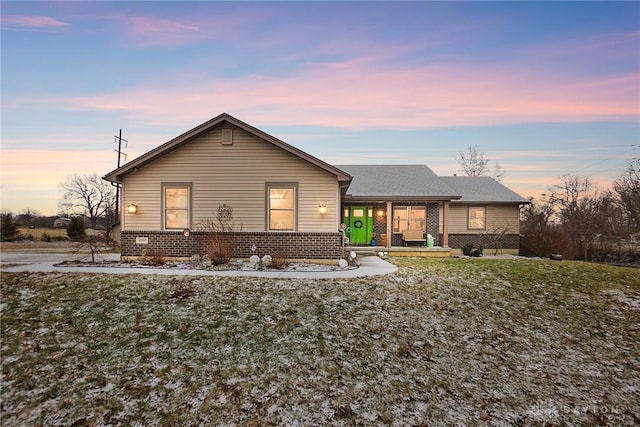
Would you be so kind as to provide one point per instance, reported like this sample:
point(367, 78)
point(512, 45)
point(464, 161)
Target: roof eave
point(388, 198)
point(494, 202)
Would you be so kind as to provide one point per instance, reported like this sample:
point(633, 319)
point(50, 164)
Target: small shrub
point(95, 243)
point(45, 237)
point(472, 251)
point(221, 252)
point(9, 228)
point(279, 262)
point(151, 257)
point(75, 230)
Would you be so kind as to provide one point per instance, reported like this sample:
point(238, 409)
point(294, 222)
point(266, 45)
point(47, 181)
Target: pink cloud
point(35, 22)
point(358, 94)
point(149, 31)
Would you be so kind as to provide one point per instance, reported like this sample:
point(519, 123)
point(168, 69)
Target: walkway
point(19, 262)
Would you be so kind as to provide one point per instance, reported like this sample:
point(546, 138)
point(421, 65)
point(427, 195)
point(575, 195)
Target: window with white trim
point(477, 218)
point(409, 218)
point(281, 207)
point(176, 206)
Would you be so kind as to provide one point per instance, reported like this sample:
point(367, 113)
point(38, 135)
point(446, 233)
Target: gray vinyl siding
point(234, 175)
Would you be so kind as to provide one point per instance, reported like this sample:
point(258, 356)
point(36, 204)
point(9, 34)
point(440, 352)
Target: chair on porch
point(413, 236)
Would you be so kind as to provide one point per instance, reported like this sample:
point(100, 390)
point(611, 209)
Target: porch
point(402, 251)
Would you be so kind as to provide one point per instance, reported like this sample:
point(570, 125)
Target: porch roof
point(396, 183)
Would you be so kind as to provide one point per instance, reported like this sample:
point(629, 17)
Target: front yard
point(442, 342)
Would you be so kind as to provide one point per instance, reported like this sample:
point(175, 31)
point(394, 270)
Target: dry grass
point(442, 342)
point(36, 233)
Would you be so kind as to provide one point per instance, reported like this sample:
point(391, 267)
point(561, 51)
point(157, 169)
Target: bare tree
point(27, 216)
point(541, 236)
point(496, 235)
point(88, 195)
point(577, 206)
point(627, 188)
point(473, 163)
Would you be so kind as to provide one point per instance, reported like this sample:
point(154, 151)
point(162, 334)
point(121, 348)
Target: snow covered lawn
point(441, 342)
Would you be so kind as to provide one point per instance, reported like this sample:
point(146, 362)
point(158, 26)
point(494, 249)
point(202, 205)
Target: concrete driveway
point(12, 254)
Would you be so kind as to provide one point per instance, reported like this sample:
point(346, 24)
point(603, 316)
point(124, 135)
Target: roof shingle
point(396, 181)
point(482, 189)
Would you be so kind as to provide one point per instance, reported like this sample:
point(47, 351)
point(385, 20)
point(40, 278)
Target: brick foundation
point(458, 241)
point(287, 245)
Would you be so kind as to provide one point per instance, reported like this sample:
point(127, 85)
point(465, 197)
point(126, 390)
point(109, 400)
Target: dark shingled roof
point(481, 189)
point(396, 182)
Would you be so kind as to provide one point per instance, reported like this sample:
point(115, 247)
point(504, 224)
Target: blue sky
point(543, 88)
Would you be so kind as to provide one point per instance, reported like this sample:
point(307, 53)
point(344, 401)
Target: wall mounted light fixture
point(132, 208)
point(380, 213)
point(322, 209)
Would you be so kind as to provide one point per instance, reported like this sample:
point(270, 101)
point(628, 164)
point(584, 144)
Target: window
point(176, 205)
point(409, 218)
point(477, 218)
point(281, 207)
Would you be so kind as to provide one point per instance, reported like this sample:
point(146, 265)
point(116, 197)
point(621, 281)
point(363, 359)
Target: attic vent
point(227, 136)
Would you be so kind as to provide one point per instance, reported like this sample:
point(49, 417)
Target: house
point(486, 214)
point(266, 194)
point(389, 199)
point(61, 222)
point(272, 195)
point(386, 200)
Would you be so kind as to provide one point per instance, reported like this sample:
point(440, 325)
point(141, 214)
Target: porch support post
point(389, 224)
point(445, 223)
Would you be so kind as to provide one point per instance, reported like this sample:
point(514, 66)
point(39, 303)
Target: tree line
point(579, 221)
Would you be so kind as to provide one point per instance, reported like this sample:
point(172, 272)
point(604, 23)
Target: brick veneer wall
point(380, 223)
point(288, 245)
point(433, 220)
point(458, 241)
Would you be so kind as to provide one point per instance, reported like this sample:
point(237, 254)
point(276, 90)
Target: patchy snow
point(259, 265)
point(422, 346)
point(632, 301)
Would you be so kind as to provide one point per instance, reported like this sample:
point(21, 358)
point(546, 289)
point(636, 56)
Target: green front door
point(361, 224)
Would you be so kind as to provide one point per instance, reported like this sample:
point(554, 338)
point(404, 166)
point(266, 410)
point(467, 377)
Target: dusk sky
point(543, 88)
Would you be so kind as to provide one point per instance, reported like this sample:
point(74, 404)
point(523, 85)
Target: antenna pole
point(119, 140)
